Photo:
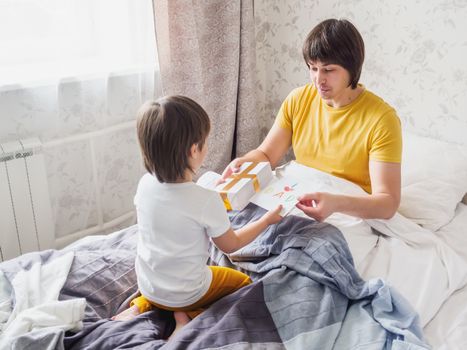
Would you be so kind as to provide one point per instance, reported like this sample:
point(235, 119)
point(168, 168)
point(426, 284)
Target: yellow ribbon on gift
point(235, 179)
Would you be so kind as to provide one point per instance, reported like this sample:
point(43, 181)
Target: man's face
point(331, 80)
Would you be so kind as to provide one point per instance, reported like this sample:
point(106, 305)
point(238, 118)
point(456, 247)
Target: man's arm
point(276, 144)
point(272, 150)
point(381, 204)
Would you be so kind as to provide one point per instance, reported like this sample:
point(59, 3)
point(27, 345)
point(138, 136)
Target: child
point(176, 217)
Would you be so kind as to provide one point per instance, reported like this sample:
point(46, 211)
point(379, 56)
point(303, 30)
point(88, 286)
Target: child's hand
point(273, 216)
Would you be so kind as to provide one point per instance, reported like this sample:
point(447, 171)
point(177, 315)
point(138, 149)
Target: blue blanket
point(313, 293)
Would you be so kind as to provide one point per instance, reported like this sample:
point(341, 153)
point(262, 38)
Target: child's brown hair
point(167, 128)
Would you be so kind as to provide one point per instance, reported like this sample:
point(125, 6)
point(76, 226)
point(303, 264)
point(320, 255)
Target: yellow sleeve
point(142, 303)
point(284, 116)
point(386, 140)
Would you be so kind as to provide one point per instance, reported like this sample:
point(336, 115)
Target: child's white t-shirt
point(175, 221)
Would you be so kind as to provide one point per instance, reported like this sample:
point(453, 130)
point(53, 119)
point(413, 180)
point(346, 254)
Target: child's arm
point(232, 241)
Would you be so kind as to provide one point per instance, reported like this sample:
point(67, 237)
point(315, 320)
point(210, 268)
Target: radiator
point(26, 223)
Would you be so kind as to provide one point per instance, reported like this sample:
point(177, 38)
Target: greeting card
point(282, 191)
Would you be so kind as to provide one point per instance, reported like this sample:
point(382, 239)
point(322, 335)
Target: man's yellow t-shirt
point(341, 141)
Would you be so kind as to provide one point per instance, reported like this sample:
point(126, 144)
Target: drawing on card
point(282, 191)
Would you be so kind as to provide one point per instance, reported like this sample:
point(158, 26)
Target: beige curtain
point(206, 51)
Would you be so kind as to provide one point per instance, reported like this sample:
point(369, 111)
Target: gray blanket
point(306, 295)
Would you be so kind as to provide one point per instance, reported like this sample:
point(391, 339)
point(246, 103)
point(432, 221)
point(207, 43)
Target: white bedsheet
point(447, 331)
point(448, 328)
point(37, 306)
point(419, 264)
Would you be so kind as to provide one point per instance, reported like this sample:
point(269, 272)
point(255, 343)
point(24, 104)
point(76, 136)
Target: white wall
point(416, 56)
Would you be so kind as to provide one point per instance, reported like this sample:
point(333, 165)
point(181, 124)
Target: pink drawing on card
point(287, 188)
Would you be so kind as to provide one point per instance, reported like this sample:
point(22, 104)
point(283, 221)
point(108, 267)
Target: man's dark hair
point(336, 41)
point(167, 128)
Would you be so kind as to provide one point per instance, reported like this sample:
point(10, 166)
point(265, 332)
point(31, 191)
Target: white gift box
point(238, 189)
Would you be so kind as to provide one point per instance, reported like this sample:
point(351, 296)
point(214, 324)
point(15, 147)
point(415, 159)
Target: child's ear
point(194, 151)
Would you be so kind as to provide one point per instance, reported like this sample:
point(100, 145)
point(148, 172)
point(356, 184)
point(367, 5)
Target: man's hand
point(317, 205)
point(233, 167)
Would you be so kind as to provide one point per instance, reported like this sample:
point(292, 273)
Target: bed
point(343, 284)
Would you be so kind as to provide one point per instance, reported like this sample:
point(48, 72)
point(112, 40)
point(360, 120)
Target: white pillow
point(434, 180)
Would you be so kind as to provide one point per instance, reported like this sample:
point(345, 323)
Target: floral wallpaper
point(71, 187)
point(88, 137)
point(119, 167)
point(415, 57)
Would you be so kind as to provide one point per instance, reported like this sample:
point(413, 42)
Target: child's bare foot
point(127, 314)
point(181, 319)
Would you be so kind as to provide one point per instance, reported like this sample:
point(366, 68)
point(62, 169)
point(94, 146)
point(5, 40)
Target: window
point(52, 39)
